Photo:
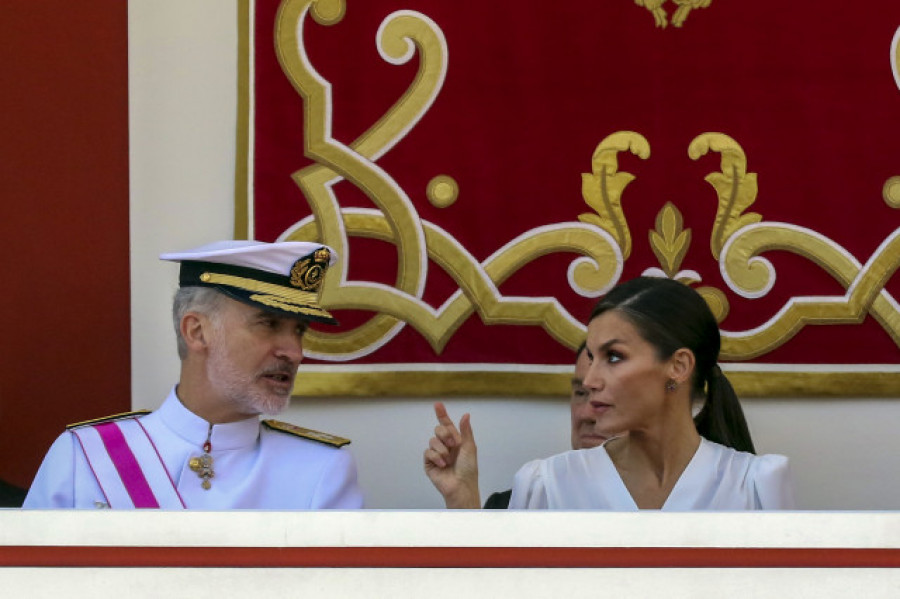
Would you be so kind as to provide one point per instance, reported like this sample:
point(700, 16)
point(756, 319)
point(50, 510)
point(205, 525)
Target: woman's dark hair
point(670, 315)
point(581, 348)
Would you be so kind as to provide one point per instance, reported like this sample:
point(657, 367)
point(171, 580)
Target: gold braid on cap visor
point(270, 294)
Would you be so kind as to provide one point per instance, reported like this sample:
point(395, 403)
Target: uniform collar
point(193, 429)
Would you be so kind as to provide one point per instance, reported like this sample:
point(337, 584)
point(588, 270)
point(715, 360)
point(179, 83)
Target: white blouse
point(717, 478)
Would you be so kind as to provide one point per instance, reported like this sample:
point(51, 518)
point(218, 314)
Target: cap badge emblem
point(307, 272)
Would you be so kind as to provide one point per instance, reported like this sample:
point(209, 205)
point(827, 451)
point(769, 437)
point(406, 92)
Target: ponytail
point(721, 419)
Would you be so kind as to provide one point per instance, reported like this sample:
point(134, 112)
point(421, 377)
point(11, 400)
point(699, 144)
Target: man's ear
point(681, 365)
point(195, 328)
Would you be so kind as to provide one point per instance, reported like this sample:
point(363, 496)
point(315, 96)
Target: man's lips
point(282, 376)
point(277, 377)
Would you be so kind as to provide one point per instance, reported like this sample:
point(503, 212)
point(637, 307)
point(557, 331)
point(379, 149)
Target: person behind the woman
point(653, 346)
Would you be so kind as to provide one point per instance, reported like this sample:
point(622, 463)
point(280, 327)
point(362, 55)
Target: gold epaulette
point(299, 431)
point(112, 418)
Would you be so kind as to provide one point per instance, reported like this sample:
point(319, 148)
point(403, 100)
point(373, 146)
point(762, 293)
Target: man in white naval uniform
point(240, 315)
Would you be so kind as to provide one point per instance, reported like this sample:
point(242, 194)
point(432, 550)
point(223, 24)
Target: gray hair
point(203, 300)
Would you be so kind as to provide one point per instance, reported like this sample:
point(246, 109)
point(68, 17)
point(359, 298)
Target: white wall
point(182, 57)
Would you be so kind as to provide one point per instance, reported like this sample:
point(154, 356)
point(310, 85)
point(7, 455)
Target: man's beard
point(242, 391)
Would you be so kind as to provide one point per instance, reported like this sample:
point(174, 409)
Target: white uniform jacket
point(716, 478)
point(254, 467)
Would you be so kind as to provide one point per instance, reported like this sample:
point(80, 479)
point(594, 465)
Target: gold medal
point(203, 465)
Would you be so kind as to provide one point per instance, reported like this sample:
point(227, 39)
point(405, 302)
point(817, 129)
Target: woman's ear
point(681, 365)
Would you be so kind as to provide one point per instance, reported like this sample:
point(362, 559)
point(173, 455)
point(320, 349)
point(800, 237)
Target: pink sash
point(128, 466)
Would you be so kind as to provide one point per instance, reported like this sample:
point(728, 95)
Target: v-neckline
point(681, 487)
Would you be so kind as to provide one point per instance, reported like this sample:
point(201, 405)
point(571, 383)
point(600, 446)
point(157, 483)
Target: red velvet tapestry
point(487, 170)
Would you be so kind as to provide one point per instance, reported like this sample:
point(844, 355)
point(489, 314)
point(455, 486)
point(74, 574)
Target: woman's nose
point(593, 379)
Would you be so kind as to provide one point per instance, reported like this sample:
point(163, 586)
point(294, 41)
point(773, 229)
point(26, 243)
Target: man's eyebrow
point(576, 382)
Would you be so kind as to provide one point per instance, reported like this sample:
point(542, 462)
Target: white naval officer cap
point(283, 277)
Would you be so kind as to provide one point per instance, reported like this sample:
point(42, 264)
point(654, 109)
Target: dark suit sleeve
point(498, 501)
point(11, 495)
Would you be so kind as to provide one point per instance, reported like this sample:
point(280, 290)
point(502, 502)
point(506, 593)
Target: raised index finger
point(441, 412)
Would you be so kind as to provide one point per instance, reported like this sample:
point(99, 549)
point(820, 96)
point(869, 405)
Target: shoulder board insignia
point(112, 418)
point(306, 433)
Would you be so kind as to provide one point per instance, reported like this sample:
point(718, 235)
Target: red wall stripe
point(445, 557)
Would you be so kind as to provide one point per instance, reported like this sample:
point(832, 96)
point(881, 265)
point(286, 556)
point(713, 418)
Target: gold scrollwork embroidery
point(716, 301)
point(752, 276)
point(591, 275)
point(603, 238)
point(397, 221)
point(738, 238)
point(399, 35)
point(684, 8)
point(895, 57)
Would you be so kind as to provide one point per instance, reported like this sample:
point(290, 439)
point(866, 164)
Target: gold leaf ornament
point(661, 17)
point(670, 241)
point(736, 188)
point(656, 9)
point(684, 9)
point(602, 188)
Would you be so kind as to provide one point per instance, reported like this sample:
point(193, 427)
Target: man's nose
point(290, 346)
point(583, 411)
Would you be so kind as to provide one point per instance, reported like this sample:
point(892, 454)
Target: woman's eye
point(613, 357)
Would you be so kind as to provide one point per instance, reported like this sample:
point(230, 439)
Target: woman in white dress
point(653, 346)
